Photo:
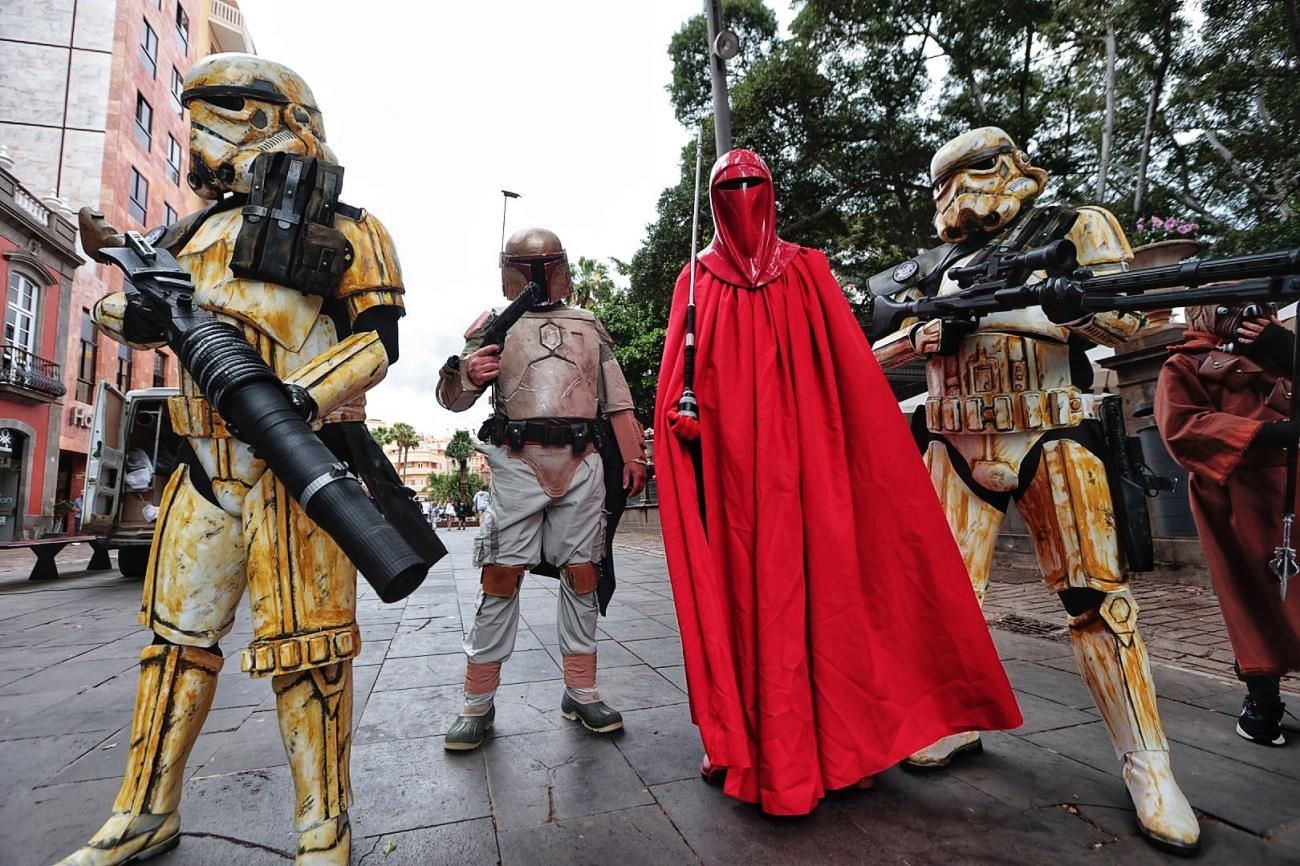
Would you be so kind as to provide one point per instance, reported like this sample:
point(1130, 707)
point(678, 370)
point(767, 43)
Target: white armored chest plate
point(550, 366)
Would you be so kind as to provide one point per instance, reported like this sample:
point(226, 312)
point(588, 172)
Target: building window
point(169, 214)
point(88, 359)
point(183, 28)
point(143, 121)
point(178, 87)
point(138, 206)
point(125, 366)
point(20, 312)
point(173, 159)
point(159, 369)
point(149, 50)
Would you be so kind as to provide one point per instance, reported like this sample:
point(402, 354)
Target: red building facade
point(38, 257)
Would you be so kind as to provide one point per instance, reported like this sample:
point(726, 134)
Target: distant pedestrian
point(481, 501)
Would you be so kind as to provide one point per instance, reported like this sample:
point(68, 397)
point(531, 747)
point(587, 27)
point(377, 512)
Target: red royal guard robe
point(828, 624)
point(1209, 407)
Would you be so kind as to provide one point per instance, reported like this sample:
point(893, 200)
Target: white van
point(133, 452)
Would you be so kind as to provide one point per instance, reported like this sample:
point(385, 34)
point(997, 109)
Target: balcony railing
point(21, 370)
point(232, 36)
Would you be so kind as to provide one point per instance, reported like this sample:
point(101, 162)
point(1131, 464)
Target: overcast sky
point(434, 108)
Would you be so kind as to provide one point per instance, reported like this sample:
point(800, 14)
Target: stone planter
point(1156, 255)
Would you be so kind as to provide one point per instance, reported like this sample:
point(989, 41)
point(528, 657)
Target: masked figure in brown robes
point(1222, 407)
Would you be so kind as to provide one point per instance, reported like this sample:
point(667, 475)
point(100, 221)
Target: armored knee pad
point(502, 581)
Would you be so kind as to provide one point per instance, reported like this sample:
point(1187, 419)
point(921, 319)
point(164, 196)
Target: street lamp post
point(720, 50)
point(506, 195)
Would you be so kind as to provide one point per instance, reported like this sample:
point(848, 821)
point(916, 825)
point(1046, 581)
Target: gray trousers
point(520, 526)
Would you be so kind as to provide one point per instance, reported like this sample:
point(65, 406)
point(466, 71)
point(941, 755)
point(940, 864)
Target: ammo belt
point(1019, 412)
point(548, 431)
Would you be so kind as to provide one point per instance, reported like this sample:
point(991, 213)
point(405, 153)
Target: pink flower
point(1186, 228)
point(1142, 224)
point(1157, 223)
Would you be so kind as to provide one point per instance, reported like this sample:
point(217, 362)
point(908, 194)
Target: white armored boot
point(315, 713)
point(942, 752)
point(1112, 660)
point(176, 687)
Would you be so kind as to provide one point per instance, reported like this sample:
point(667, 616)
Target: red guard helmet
point(745, 249)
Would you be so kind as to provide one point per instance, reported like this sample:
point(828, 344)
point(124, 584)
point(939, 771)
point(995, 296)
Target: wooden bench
point(48, 548)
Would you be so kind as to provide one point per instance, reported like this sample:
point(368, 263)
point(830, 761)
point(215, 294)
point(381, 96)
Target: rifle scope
point(1057, 257)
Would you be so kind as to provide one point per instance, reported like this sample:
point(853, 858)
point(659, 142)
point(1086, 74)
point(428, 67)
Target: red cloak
point(828, 624)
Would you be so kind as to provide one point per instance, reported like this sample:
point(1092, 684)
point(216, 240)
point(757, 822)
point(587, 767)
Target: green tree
point(460, 448)
point(444, 486)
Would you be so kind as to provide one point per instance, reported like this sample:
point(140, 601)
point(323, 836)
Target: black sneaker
point(468, 732)
point(595, 717)
point(1261, 720)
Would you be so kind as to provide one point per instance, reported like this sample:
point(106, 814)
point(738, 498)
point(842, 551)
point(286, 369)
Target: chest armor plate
point(550, 367)
point(1011, 375)
point(286, 326)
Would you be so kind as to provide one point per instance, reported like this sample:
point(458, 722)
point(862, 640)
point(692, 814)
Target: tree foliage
point(1198, 112)
point(403, 435)
point(447, 486)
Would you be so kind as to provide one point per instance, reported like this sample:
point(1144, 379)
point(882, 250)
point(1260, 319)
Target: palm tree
point(403, 435)
point(592, 283)
point(460, 449)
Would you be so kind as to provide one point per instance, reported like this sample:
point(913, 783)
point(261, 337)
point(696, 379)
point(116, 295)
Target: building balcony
point(228, 30)
point(29, 378)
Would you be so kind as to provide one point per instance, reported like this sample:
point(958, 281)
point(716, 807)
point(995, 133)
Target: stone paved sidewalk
point(543, 792)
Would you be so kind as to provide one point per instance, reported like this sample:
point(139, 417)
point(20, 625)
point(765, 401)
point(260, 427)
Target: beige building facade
point(90, 113)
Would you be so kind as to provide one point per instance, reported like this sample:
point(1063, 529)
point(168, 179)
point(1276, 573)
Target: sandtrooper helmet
point(242, 106)
point(535, 254)
point(980, 181)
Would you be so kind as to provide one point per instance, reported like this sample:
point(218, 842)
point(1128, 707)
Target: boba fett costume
point(557, 383)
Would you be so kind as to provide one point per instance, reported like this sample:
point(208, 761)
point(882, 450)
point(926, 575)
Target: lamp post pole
point(718, 75)
point(506, 195)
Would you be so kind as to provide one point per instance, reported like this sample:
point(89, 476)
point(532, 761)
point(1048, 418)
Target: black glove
point(301, 400)
point(139, 325)
point(1275, 344)
point(1278, 434)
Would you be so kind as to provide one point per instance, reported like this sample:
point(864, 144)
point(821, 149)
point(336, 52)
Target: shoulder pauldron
point(922, 272)
point(287, 235)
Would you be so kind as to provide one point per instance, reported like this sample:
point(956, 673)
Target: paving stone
point(529, 666)
point(444, 669)
point(544, 777)
point(409, 713)
point(1041, 714)
point(637, 686)
point(1058, 686)
point(255, 746)
point(208, 850)
point(461, 844)
point(636, 629)
point(1237, 793)
point(415, 783)
point(661, 744)
point(47, 824)
point(68, 675)
point(424, 643)
point(642, 837)
point(657, 652)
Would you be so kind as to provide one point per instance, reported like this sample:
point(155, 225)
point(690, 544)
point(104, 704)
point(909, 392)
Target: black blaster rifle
point(1132, 482)
point(257, 406)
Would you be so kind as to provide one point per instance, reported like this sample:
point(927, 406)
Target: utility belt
point(578, 434)
point(1021, 412)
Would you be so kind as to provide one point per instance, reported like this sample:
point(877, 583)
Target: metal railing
point(21, 369)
